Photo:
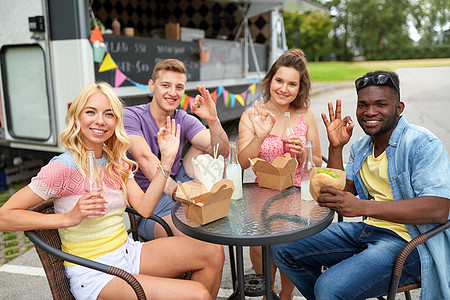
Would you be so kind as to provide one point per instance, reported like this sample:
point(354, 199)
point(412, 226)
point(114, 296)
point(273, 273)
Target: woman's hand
point(169, 141)
point(262, 120)
point(296, 148)
point(339, 130)
point(89, 205)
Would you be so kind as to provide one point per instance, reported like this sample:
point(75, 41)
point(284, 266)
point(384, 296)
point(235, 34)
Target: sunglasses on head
point(380, 79)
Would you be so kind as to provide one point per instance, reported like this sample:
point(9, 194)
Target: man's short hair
point(169, 64)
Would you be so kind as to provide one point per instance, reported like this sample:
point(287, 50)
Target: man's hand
point(262, 120)
point(339, 130)
point(207, 110)
point(169, 141)
point(344, 203)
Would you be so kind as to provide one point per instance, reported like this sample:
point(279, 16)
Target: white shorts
point(86, 283)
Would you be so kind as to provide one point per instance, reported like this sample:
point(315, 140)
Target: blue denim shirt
point(418, 165)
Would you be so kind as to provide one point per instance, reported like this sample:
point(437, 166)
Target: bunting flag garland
point(141, 86)
point(107, 64)
point(119, 78)
point(99, 52)
point(225, 97)
point(96, 35)
point(214, 96)
point(240, 98)
point(232, 99)
point(101, 55)
point(220, 91)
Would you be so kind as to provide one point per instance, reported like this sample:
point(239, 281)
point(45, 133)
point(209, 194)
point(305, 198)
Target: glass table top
point(261, 213)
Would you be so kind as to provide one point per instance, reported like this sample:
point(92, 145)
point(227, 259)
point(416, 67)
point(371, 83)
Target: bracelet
point(166, 173)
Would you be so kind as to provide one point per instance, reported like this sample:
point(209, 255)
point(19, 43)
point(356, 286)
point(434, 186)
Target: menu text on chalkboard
point(136, 57)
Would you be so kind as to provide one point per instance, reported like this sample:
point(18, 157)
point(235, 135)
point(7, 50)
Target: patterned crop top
point(61, 180)
point(272, 146)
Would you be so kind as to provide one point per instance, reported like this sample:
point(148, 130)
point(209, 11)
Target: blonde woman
point(95, 123)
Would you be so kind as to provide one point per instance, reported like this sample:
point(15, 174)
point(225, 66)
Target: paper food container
point(316, 183)
point(277, 175)
point(205, 206)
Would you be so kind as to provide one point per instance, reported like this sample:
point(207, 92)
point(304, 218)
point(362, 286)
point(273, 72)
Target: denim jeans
point(360, 258)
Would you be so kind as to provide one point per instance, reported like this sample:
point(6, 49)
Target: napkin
point(208, 170)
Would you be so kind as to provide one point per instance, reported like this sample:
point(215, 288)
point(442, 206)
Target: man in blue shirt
point(404, 170)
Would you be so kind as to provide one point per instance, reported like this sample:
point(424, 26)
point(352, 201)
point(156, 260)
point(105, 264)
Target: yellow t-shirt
point(375, 176)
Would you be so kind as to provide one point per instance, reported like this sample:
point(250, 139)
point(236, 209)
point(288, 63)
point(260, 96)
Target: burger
point(322, 177)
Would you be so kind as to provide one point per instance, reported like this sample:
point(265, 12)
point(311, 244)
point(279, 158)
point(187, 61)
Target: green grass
point(10, 238)
point(349, 71)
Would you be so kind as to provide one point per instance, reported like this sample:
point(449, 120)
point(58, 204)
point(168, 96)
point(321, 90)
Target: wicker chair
point(48, 247)
point(397, 270)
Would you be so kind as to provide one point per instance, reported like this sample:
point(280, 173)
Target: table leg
point(232, 266)
point(270, 294)
point(240, 271)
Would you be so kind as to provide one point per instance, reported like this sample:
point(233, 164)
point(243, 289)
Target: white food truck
point(46, 57)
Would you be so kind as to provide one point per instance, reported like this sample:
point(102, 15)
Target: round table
point(262, 217)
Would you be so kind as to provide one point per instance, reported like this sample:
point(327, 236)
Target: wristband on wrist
point(165, 172)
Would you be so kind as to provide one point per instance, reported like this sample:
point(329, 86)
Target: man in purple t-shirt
point(142, 122)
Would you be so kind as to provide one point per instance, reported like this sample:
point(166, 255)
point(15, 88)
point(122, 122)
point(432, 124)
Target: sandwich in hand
point(322, 177)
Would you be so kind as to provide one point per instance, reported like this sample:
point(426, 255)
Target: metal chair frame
point(52, 257)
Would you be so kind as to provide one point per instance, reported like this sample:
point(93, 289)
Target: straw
point(183, 190)
point(216, 150)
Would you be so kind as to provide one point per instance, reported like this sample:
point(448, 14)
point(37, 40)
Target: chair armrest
point(130, 279)
point(410, 246)
point(132, 212)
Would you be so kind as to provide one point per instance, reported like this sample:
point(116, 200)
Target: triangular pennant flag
point(107, 64)
point(119, 78)
point(99, 53)
point(187, 101)
point(96, 35)
point(240, 100)
point(225, 97)
point(244, 97)
point(182, 100)
point(252, 88)
point(232, 99)
point(214, 96)
point(220, 90)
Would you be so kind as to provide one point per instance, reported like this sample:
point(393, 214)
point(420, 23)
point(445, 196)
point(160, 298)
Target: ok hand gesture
point(262, 119)
point(169, 141)
point(339, 130)
point(207, 109)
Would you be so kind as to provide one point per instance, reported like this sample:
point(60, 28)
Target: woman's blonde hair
point(115, 148)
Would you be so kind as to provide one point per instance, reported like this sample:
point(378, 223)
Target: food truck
point(50, 49)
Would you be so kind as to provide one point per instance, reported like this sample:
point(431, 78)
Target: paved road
point(425, 93)
point(423, 90)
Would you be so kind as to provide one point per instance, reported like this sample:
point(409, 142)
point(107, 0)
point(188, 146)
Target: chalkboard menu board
point(136, 57)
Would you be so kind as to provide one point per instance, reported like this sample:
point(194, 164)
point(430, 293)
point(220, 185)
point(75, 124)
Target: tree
point(309, 31)
point(315, 30)
point(379, 23)
point(371, 26)
point(432, 20)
